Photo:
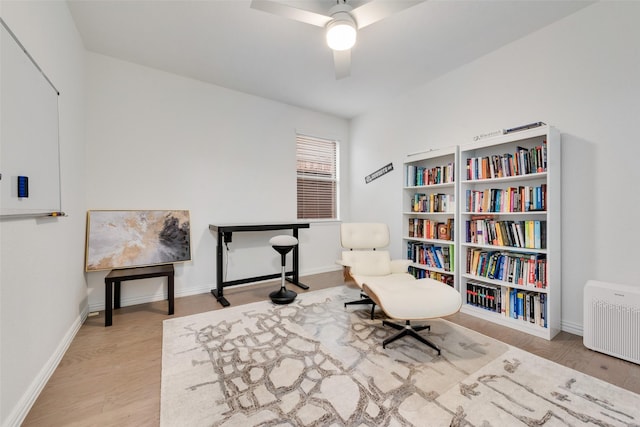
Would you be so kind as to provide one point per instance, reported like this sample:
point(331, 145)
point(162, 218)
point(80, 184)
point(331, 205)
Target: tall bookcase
point(429, 209)
point(509, 230)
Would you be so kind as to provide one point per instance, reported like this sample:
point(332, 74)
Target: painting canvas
point(122, 239)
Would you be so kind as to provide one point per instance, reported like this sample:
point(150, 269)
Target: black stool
point(283, 244)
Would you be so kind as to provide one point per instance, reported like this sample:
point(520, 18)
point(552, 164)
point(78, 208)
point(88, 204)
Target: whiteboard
point(28, 132)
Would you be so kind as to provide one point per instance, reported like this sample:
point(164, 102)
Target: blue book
point(537, 242)
point(513, 304)
point(520, 305)
point(502, 261)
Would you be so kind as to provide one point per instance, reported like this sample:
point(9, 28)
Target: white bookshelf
point(433, 255)
point(478, 217)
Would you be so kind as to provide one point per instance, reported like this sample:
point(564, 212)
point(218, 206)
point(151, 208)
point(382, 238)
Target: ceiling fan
point(342, 23)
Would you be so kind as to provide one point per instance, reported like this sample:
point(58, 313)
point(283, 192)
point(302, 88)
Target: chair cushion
point(368, 263)
point(391, 278)
point(400, 265)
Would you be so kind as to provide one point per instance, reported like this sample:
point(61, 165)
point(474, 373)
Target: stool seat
point(283, 240)
point(283, 244)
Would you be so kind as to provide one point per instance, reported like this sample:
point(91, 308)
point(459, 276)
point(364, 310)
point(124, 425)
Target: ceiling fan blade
point(342, 63)
point(374, 11)
point(300, 15)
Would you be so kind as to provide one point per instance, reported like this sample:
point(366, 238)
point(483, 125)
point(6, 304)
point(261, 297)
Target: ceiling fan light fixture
point(341, 32)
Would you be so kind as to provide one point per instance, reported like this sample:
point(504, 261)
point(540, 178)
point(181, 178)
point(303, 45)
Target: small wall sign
point(377, 174)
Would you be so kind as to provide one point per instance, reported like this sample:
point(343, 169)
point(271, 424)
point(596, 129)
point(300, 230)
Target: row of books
point(434, 256)
point(528, 306)
point(528, 270)
point(419, 175)
point(435, 202)
point(431, 229)
point(524, 198)
point(419, 273)
point(530, 234)
point(523, 162)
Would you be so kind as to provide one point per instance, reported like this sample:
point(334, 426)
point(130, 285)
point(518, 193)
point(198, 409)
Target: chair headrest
point(364, 235)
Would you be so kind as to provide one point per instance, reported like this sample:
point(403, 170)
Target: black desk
point(117, 276)
point(224, 235)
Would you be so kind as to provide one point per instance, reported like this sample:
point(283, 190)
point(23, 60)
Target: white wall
point(43, 294)
point(159, 141)
point(581, 75)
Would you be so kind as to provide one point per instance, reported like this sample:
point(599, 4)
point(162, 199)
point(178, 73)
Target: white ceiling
point(227, 43)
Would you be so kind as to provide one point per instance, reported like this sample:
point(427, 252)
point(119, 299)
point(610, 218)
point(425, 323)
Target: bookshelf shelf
point(496, 214)
point(431, 186)
point(518, 324)
point(428, 213)
point(434, 241)
point(527, 177)
point(501, 283)
point(509, 230)
point(503, 248)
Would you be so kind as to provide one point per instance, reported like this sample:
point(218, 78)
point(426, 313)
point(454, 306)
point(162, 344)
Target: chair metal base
point(283, 296)
point(364, 299)
point(412, 331)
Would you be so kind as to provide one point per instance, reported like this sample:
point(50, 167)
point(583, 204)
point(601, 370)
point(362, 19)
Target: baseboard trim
point(321, 270)
point(572, 328)
point(21, 410)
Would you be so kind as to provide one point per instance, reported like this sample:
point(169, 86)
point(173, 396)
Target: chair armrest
point(400, 265)
point(346, 270)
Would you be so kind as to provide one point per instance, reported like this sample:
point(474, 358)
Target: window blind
point(317, 178)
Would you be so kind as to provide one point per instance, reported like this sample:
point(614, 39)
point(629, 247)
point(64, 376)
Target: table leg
point(296, 260)
point(116, 294)
point(107, 303)
point(170, 292)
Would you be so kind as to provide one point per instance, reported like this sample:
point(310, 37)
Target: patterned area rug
point(315, 363)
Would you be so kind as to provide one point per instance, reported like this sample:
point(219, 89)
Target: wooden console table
point(117, 276)
point(225, 232)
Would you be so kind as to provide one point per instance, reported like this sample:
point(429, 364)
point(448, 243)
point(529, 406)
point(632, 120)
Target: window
point(317, 177)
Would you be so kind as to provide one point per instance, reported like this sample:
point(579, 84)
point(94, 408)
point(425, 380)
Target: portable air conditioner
point(612, 319)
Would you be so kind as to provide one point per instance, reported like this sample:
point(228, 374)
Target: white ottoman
point(414, 300)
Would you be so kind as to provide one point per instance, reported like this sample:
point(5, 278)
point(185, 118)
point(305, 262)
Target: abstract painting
point(122, 239)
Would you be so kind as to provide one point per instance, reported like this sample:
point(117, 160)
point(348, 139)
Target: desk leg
point(170, 292)
point(217, 292)
point(221, 299)
point(296, 272)
point(107, 303)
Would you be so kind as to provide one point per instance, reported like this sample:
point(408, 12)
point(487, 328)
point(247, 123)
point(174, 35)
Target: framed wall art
point(136, 238)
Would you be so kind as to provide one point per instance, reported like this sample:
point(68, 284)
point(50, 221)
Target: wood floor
point(111, 376)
